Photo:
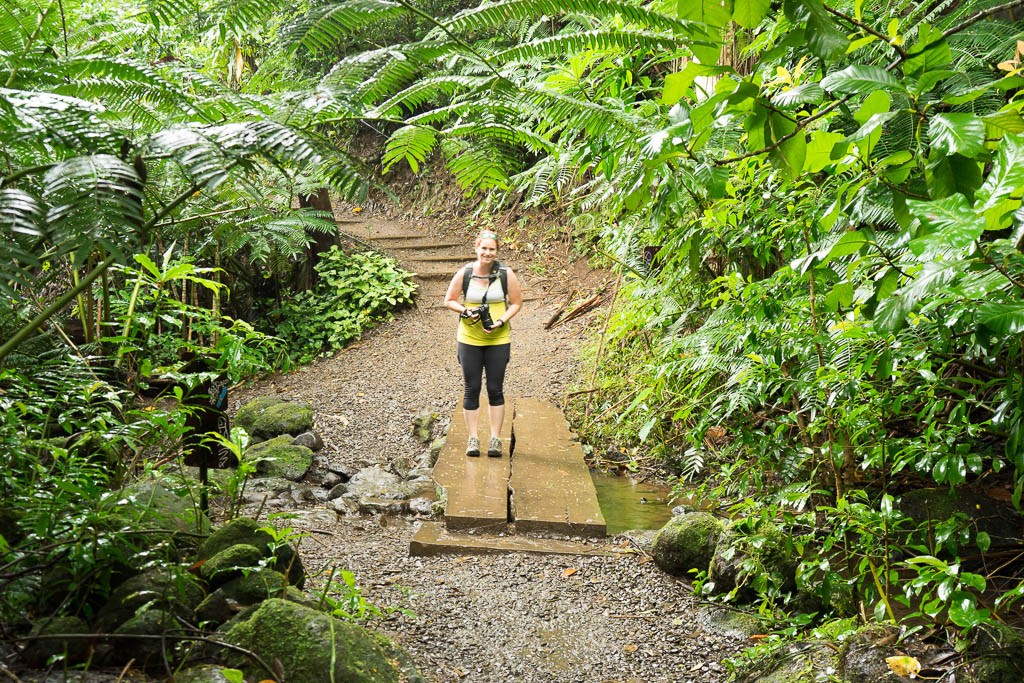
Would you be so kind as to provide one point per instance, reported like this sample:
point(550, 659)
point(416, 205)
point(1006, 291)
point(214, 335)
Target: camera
point(484, 311)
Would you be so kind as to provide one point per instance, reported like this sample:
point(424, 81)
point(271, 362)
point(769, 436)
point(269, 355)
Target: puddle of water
point(627, 505)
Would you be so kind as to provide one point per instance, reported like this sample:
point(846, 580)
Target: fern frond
point(411, 144)
point(330, 24)
point(601, 40)
point(498, 14)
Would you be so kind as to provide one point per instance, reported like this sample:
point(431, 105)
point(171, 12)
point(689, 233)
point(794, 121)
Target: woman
point(484, 338)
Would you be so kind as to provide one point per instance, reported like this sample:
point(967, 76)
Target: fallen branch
point(584, 308)
point(561, 309)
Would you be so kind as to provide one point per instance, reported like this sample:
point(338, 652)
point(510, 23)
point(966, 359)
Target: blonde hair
point(486, 235)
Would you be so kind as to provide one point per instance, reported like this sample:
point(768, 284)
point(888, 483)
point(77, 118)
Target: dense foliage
point(147, 193)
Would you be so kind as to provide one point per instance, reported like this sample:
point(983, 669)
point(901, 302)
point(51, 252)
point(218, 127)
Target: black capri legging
point(474, 360)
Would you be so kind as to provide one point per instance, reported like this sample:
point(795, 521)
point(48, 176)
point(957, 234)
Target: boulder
point(169, 588)
point(996, 656)
point(312, 646)
point(310, 440)
point(239, 530)
point(206, 673)
point(933, 506)
point(278, 457)
point(144, 652)
point(148, 504)
point(242, 591)
point(231, 563)
point(862, 657)
point(423, 424)
point(749, 564)
point(246, 531)
point(73, 650)
point(267, 417)
point(687, 543)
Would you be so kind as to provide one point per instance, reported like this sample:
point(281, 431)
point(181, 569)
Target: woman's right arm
point(451, 297)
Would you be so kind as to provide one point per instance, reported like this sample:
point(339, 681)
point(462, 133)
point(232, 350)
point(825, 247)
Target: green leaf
point(861, 79)
point(984, 542)
point(823, 37)
point(749, 13)
point(820, 148)
point(957, 134)
point(1007, 175)
point(716, 13)
point(841, 296)
point(953, 222)
point(964, 612)
point(1002, 319)
point(930, 53)
point(791, 154)
point(1002, 122)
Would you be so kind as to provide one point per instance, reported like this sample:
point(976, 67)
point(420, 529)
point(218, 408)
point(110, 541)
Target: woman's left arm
point(515, 297)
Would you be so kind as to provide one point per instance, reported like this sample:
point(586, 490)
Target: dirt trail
point(482, 618)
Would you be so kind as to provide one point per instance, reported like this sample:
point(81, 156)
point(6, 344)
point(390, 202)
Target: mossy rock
point(205, 673)
point(749, 564)
point(305, 641)
point(145, 652)
point(172, 588)
point(250, 532)
point(803, 664)
point(997, 656)
point(74, 650)
point(256, 586)
point(279, 457)
point(929, 507)
point(267, 417)
point(231, 563)
point(862, 660)
point(150, 504)
point(238, 531)
point(687, 543)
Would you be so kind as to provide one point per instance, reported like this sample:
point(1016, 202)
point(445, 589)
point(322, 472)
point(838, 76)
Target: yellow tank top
point(473, 334)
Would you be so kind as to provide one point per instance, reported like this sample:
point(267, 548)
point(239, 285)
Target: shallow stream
point(628, 505)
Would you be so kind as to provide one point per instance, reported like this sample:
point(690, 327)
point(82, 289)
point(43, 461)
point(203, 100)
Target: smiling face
point(486, 249)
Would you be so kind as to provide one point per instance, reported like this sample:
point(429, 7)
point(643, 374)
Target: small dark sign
point(209, 404)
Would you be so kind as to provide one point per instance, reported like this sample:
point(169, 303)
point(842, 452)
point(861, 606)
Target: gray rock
point(382, 506)
point(421, 506)
point(330, 480)
point(932, 506)
point(687, 543)
point(344, 471)
point(310, 440)
point(402, 466)
point(997, 655)
point(278, 457)
point(372, 481)
point(205, 673)
point(267, 417)
point(862, 659)
point(337, 492)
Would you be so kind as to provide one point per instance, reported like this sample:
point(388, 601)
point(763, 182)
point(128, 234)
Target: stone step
point(476, 489)
point(552, 490)
point(424, 245)
point(433, 539)
point(435, 258)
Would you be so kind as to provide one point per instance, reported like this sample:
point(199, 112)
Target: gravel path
point(512, 617)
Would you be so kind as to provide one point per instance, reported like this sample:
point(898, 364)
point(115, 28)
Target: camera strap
point(497, 271)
